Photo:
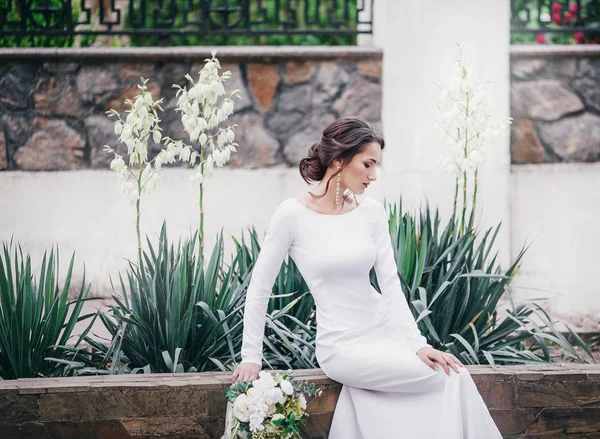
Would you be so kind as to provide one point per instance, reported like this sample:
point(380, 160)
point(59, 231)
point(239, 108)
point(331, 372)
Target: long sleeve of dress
point(389, 283)
point(274, 249)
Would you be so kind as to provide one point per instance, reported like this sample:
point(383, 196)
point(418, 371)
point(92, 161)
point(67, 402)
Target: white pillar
point(418, 39)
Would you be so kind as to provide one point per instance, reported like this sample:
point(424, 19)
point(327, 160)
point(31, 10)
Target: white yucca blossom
point(465, 125)
point(135, 131)
point(204, 107)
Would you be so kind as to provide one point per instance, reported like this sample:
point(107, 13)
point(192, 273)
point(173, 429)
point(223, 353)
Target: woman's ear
point(337, 164)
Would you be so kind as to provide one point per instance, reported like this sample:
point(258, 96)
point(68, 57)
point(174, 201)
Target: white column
point(418, 38)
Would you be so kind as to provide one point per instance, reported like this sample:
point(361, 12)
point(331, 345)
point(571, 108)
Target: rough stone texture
point(3, 152)
point(525, 144)
point(16, 83)
point(284, 103)
point(370, 68)
point(100, 132)
point(331, 78)
point(587, 83)
point(295, 99)
point(118, 103)
point(546, 100)
point(257, 148)
point(17, 126)
point(555, 102)
point(53, 146)
point(263, 80)
point(61, 68)
point(299, 72)
point(362, 99)
point(296, 147)
point(95, 83)
point(526, 402)
point(133, 72)
point(55, 96)
point(236, 82)
point(573, 139)
point(526, 68)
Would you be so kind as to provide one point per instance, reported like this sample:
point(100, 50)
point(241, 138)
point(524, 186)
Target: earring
point(337, 189)
point(355, 199)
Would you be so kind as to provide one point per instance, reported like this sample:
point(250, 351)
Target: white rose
point(287, 387)
point(241, 408)
point(302, 402)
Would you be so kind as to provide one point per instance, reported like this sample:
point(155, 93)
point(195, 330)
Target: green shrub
point(37, 319)
point(454, 285)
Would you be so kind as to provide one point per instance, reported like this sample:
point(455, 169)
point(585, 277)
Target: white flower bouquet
point(270, 407)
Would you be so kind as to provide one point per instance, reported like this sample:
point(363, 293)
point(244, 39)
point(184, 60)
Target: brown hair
point(341, 140)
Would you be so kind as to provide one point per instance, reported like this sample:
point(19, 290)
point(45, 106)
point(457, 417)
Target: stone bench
point(550, 401)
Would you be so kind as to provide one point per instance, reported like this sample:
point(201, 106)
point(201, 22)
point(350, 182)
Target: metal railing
point(185, 17)
point(553, 16)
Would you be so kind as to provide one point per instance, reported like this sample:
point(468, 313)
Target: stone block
point(95, 429)
point(263, 80)
point(257, 147)
point(95, 83)
point(16, 409)
point(96, 405)
point(545, 99)
point(370, 68)
point(56, 96)
point(299, 72)
point(525, 143)
point(53, 146)
point(362, 99)
point(175, 402)
point(331, 78)
point(574, 138)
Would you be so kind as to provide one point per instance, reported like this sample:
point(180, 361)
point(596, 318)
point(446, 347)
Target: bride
point(395, 385)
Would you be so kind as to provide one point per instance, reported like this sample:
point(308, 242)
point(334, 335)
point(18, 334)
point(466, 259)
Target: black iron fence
point(19, 18)
point(554, 16)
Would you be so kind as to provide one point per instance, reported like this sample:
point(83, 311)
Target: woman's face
point(360, 172)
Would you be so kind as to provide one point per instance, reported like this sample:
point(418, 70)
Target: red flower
point(568, 16)
point(579, 38)
point(573, 8)
point(556, 18)
point(556, 7)
point(540, 39)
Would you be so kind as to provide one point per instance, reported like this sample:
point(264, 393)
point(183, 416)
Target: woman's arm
point(274, 249)
point(389, 283)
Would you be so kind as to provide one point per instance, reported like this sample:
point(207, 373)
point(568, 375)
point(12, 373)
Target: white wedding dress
point(365, 340)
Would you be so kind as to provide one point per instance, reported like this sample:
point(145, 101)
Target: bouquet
point(270, 407)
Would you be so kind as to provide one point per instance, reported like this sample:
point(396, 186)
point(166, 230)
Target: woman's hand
point(432, 356)
point(245, 372)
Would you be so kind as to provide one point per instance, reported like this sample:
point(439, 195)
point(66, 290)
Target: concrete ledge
point(540, 51)
point(549, 401)
point(228, 53)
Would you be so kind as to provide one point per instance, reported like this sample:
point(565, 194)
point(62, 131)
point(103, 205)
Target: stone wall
point(53, 103)
point(555, 103)
point(526, 402)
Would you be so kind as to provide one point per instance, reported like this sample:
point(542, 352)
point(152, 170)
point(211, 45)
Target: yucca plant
point(177, 314)
point(290, 331)
point(174, 313)
point(37, 319)
point(454, 285)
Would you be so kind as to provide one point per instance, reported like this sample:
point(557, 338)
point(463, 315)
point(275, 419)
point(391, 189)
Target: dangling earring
point(337, 189)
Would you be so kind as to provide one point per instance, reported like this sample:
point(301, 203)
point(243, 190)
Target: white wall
point(85, 211)
point(419, 38)
point(556, 209)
